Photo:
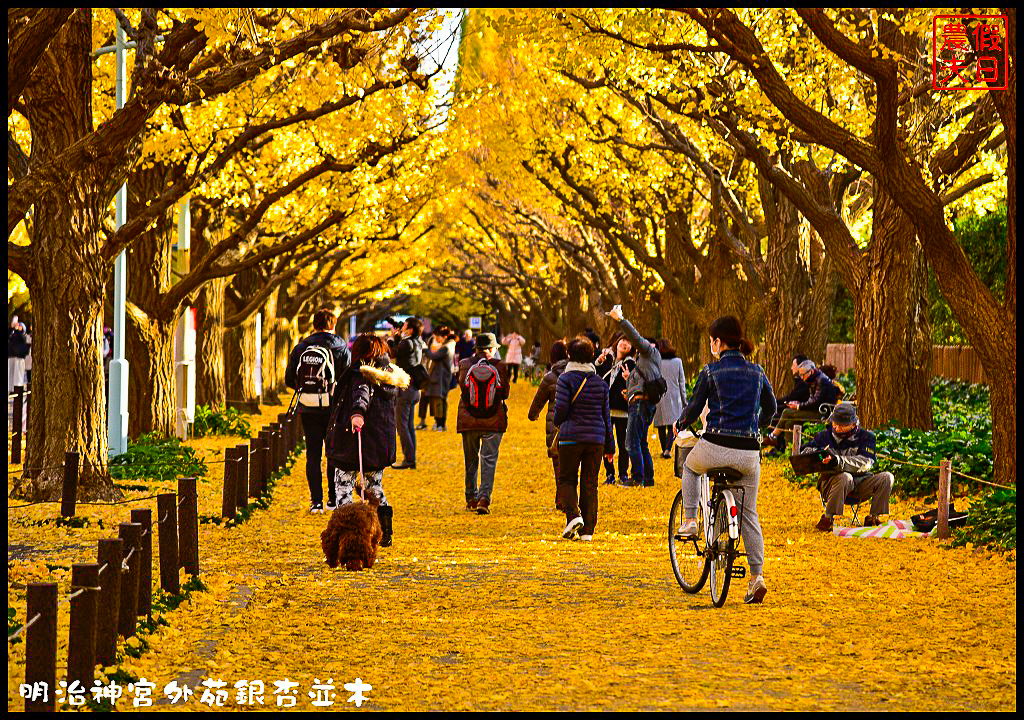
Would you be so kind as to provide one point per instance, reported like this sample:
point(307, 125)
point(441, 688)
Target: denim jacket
point(736, 390)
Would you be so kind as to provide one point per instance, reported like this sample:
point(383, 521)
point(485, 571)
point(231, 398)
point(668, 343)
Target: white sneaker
point(316, 509)
point(572, 526)
point(756, 590)
point(586, 538)
point(687, 529)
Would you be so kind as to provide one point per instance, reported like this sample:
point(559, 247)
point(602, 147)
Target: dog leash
point(362, 478)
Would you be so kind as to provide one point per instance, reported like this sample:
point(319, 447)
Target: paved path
point(497, 612)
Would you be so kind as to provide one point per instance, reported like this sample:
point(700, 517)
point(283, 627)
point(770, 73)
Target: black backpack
point(314, 377)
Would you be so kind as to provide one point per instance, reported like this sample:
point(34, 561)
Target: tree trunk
point(68, 407)
point(893, 332)
point(798, 302)
point(151, 390)
point(66, 281)
point(211, 388)
point(241, 347)
point(150, 349)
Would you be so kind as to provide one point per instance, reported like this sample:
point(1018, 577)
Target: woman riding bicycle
point(736, 392)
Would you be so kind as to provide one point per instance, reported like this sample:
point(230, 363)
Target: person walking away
point(670, 407)
point(17, 351)
point(362, 428)
point(584, 424)
point(464, 347)
point(441, 355)
point(482, 419)
point(738, 396)
point(314, 366)
point(545, 396)
point(614, 366)
point(408, 351)
point(644, 389)
point(514, 357)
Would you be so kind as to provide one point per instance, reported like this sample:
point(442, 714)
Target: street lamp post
point(117, 393)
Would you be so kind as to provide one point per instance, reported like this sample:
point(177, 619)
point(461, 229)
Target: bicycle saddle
point(727, 474)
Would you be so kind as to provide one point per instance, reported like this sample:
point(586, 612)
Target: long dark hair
point(728, 329)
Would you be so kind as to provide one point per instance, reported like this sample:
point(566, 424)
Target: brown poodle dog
point(352, 535)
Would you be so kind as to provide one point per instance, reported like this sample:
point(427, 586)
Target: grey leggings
point(706, 455)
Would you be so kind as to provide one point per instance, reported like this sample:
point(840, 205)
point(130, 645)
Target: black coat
point(357, 395)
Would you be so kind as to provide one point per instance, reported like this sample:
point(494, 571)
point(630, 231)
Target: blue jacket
point(736, 390)
point(854, 454)
point(588, 420)
point(822, 390)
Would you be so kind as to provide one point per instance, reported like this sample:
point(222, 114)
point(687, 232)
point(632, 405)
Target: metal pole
point(117, 402)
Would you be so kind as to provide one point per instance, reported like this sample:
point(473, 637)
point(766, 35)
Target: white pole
point(117, 402)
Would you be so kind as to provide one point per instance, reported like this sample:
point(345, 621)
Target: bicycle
point(710, 554)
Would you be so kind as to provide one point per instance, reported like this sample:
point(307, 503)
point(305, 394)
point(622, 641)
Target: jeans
point(481, 452)
point(706, 455)
point(641, 415)
point(584, 458)
point(405, 419)
point(314, 427)
point(619, 427)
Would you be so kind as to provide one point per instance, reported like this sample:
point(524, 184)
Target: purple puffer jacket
point(588, 420)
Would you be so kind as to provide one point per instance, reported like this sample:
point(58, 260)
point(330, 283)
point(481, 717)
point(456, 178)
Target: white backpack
point(314, 377)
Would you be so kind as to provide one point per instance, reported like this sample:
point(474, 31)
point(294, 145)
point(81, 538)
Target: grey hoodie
point(648, 361)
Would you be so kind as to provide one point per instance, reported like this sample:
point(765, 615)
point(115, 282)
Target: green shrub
point(991, 521)
point(156, 458)
point(219, 421)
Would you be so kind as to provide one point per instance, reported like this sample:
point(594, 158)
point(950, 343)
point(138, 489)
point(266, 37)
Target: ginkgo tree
point(64, 169)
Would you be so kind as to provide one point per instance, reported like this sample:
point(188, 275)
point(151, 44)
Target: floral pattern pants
point(345, 483)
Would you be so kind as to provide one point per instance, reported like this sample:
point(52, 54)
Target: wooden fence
point(107, 597)
point(948, 361)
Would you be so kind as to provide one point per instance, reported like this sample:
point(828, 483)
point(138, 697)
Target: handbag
point(553, 447)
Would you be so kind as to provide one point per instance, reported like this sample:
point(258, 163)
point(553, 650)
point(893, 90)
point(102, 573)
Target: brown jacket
point(546, 396)
point(496, 423)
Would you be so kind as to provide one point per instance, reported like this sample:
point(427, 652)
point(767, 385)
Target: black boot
point(384, 514)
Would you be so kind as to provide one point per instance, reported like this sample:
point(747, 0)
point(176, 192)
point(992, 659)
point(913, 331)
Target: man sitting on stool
point(851, 449)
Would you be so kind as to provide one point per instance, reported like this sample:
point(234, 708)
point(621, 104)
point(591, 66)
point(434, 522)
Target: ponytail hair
point(728, 329)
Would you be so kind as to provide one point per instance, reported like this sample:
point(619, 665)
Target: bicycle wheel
point(720, 553)
point(689, 560)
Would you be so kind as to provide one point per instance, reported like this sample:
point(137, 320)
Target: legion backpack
point(314, 377)
point(482, 383)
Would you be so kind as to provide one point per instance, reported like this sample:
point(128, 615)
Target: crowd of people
point(359, 403)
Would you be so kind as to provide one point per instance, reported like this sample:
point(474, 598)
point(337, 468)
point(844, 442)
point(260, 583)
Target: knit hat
point(807, 365)
point(844, 414)
point(485, 341)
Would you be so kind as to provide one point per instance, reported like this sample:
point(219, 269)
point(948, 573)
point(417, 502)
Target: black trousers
point(619, 426)
point(314, 427)
point(665, 437)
